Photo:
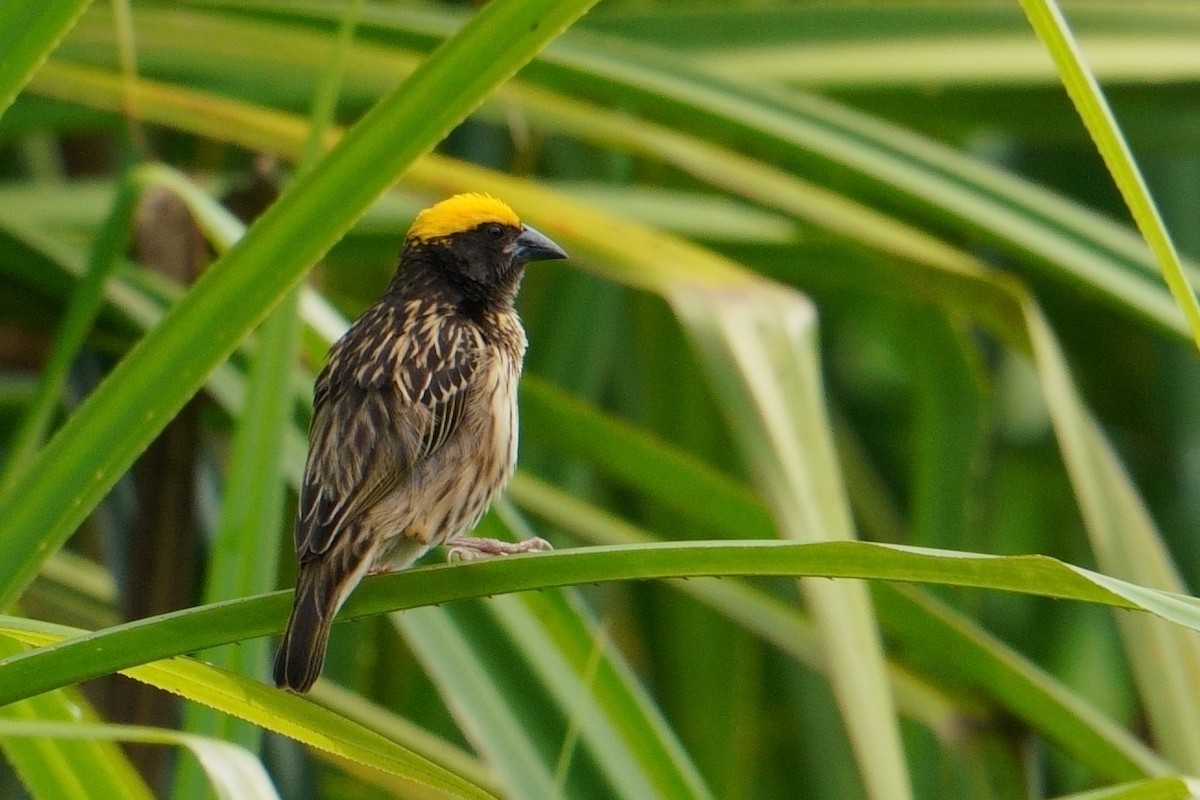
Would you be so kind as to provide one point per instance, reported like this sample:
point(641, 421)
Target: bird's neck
point(422, 276)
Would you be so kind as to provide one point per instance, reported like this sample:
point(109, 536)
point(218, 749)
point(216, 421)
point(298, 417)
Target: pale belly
point(450, 491)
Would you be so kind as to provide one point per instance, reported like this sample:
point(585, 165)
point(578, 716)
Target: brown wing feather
point(392, 393)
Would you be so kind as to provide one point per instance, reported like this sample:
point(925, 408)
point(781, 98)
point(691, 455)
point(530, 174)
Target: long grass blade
point(1051, 26)
point(287, 714)
point(99, 442)
point(90, 655)
point(55, 769)
point(29, 31)
point(234, 773)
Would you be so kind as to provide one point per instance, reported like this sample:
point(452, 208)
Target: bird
point(414, 426)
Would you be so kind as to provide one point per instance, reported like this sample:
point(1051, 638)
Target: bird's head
point(477, 245)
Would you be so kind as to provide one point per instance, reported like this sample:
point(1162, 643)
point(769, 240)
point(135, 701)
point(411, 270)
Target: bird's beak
point(532, 245)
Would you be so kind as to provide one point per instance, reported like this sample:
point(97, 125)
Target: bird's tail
point(320, 590)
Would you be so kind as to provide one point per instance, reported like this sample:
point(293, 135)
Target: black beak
point(533, 245)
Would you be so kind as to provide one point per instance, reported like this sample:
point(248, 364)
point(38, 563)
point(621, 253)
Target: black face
point(482, 266)
point(484, 255)
point(491, 257)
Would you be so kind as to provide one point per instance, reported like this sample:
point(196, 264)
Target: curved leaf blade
point(90, 655)
point(1089, 100)
point(29, 30)
point(101, 440)
point(284, 713)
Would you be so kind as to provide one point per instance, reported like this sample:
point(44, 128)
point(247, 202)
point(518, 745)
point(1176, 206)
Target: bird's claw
point(469, 548)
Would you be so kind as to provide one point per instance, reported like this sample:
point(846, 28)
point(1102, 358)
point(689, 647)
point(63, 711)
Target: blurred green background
point(994, 366)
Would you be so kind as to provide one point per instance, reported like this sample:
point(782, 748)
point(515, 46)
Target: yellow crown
point(460, 213)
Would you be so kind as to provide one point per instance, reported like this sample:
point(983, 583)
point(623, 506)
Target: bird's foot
point(380, 569)
point(469, 548)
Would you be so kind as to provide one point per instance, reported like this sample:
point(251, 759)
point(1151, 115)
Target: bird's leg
point(382, 568)
point(467, 548)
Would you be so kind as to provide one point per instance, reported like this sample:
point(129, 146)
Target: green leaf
point(404, 732)
point(106, 252)
point(804, 134)
point(759, 345)
point(245, 549)
point(887, 197)
point(98, 443)
point(667, 475)
point(1172, 788)
point(55, 769)
point(687, 485)
point(1165, 660)
point(234, 772)
point(925, 628)
point(447, 655)
point(103, 652)
point(1089, 101)
point(29, 30)
point(282, 712)
point(568, 659)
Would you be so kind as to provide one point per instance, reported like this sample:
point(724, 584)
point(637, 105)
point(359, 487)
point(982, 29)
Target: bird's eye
point(495, 231)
